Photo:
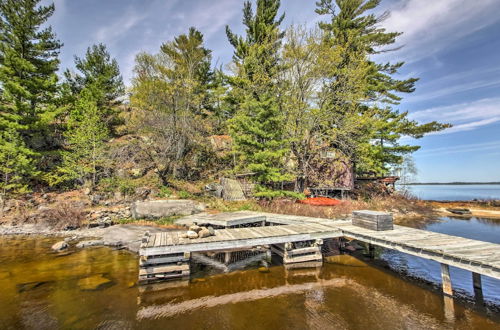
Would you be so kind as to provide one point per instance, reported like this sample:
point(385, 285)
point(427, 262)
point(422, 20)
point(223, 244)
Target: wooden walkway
point(226, 239)
point(476, 256)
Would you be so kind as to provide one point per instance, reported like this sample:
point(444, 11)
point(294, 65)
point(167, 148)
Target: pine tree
point(99, 73)
point(257, 127)
point(360, 35)
point(86, 137)
point(16, 164)
point(28, 83)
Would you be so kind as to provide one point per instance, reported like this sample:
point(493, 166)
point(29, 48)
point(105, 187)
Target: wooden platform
point(476, 256)
point(237, 238)
point(226, 220)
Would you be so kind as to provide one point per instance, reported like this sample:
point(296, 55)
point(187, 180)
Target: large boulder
point(165, 208)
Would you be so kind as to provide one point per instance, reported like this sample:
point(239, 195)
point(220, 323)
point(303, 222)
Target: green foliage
point(112, 184)
point(100, 74)
point(264, 192)
point(358, 35)
point(28, 83)
point(171, 89)
point(184, 194)
point(257, 127)
point(165, 192)
point(16, 164)
point(86, 136)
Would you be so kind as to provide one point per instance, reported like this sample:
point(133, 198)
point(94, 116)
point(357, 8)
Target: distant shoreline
point(446, 183)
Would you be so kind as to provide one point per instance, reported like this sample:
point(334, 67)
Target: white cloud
point(464, 116)
point(467, 148)
point(118, 28)
point(430, 26)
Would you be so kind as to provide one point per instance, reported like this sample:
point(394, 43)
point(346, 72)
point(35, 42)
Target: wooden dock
point(481, 258)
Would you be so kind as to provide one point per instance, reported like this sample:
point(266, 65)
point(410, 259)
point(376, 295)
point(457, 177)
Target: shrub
point(164, 192)
point(184, 194)
point(62, 216)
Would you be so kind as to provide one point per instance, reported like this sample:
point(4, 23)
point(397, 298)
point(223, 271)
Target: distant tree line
point(288, 96)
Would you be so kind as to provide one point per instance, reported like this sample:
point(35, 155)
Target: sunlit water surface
point(94, 288)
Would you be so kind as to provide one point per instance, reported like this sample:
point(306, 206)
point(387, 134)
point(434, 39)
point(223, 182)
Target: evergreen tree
point(257, 127)
point(360, 35)
point(16, 164)
point(99, 73)
point(86, 136)
point(28, 82)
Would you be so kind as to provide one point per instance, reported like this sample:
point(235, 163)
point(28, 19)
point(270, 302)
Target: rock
point(214, 189)
point(84, 244)
point(95, 199)
point(94, 282)
point(165, 208)
point(59, 246)
point(192, 234)
point(211, 230)
point(264, 270)
point(22, 287)
point(204, 232)
point(231, 190)
point(195, 228)
point(113, 243)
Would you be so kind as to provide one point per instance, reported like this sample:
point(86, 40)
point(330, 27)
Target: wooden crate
point(373, 220)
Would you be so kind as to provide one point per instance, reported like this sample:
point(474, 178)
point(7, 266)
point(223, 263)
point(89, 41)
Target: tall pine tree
point(99, 73)
point(359, 33)
point(257, 127)
point(28, 82)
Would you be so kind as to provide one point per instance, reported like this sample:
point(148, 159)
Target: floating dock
point(298, 239)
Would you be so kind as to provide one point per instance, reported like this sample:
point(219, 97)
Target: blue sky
point(451, 45)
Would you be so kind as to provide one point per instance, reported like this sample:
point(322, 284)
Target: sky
point(451, 45)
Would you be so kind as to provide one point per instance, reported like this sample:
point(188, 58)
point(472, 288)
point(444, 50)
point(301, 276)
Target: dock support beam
point(478, 288)
point(371, 251)
point(446, 279)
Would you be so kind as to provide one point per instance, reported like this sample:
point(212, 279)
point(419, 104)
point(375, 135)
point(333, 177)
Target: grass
point(403, 207)
point(164, 222)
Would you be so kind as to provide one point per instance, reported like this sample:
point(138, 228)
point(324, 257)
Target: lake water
point(95, 289)
point(455, 192)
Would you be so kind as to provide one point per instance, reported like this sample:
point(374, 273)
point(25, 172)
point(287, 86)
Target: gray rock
point(204, 232)
point(88, 243)
point(165, 208)
point(195, 228)
point(214, 189)
point(59, 246)
point(192, 234)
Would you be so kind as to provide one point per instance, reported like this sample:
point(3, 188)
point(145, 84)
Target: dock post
point(478, 288)
point(371, 251)
point(227, 257)
point(446, 279)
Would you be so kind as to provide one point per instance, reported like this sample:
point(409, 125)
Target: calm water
point(94, 288)
point(474, 228)
point(455, 192)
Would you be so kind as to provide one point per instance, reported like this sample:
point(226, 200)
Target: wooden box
point(373, 220)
